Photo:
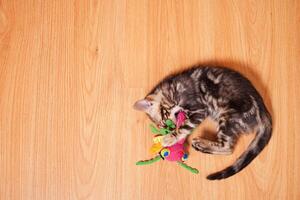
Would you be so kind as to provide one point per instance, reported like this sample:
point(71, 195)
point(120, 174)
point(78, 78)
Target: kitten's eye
point(161, 124)
point(164, 113)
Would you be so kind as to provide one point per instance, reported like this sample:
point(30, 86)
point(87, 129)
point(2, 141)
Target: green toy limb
point(170, 123)
point(163, 131)
point(150, 161)
point(154, 129)
point(193, 170)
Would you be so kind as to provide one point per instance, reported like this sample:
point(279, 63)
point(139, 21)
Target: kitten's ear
point(142, 105)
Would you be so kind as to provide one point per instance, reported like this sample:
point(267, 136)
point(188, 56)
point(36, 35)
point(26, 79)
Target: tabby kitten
point(221, 94)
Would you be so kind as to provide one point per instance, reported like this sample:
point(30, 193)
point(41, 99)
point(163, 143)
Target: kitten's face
point(158, 108)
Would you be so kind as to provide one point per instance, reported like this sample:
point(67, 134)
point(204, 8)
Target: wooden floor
point(71, 70)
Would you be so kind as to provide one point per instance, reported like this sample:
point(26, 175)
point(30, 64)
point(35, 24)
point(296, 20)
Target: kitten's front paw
point(168, 140)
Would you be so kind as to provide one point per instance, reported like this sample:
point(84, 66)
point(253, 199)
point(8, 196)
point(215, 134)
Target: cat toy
point(176, 152)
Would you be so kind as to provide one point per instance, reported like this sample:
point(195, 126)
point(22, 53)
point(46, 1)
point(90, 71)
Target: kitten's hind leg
point(223, 146)
point(210, 147)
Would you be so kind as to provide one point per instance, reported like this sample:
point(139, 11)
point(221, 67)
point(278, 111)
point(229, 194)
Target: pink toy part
point(176, 151)
point(180, 119)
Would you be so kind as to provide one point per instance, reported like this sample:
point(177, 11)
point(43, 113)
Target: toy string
point(193, 170)
point(150, 161)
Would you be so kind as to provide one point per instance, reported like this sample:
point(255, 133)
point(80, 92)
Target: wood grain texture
point(71, 70)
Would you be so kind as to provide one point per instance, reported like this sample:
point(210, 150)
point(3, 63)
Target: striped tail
point(261, 139)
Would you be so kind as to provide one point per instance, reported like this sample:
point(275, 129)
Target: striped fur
point(220, 93)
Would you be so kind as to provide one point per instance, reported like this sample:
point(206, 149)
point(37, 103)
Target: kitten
point(217, 92)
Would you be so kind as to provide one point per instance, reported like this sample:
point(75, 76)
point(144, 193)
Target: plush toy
point(175, 152)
